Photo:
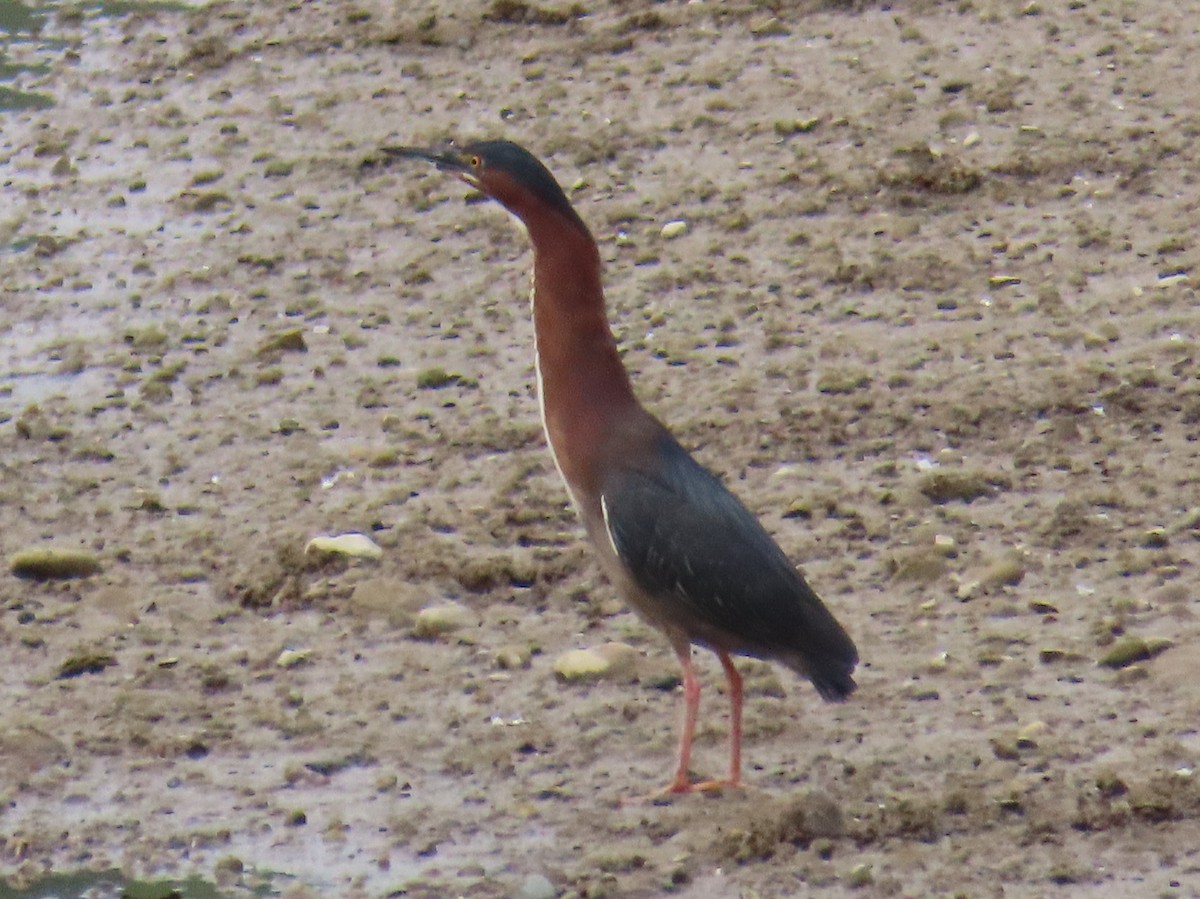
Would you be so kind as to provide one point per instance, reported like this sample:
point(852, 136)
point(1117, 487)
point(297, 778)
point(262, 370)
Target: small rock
point(1155, 538)
point(620, 655)
point(919, 693)
point(291, 341)
point(1133, 674)
point(357, 545)
point(290, 658)
point(1132, 649)
point(49, 564)
point(967, 590)
point(598, 663)
point(789, 127)
point(1172, 280)
point(949, 456)
point(822, 847)
point(1006, 572)
point(674, 229)
point(536, 886)
point(445, 618)
point(510, 658)
point(860, 876)
point(772, 27)
point(946, 545)
point(1003, 281)
point(1028, 736)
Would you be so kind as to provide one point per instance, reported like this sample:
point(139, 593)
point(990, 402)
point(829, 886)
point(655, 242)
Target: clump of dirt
point(1113, 802)
point(922, 170)
point(518, 12)
point(947, 485)
point(279, 579)
point(920, 818)
point(796, 821)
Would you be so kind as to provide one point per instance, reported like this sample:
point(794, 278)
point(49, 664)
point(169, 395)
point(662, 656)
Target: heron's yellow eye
point(476, 162)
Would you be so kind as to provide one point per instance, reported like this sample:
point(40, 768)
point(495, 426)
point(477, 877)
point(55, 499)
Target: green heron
point(686, 554)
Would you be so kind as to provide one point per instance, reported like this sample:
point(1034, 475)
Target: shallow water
point(106, 884)
point(30, 47)
point(18, 18)
point(20, 25)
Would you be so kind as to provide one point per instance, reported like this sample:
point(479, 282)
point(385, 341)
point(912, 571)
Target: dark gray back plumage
point(717, 574)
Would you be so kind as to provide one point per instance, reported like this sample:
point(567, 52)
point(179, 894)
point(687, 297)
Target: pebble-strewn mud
point(918, 279)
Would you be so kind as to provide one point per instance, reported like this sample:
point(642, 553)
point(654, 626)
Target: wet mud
point(918, 280)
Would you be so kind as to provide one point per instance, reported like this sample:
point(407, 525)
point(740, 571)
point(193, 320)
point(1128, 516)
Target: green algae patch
point(15, 100)
point(85, 663)
point(87, 883)
point(1131, 649)
point(53, 564)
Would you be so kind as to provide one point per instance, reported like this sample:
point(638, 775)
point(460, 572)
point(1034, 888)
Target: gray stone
point(536, 886)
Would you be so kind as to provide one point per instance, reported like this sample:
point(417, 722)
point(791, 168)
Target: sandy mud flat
point(932, 313)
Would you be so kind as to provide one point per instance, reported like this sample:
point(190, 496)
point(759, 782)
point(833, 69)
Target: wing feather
point(694, 548)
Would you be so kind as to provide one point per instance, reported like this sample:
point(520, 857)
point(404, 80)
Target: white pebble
point(290, 658)
point(357, 545)
point(674, 229)
point(597, 663)
point(445, 618)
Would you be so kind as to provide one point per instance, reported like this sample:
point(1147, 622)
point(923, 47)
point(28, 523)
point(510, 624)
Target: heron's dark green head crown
point(503, 170)
point(513, 160)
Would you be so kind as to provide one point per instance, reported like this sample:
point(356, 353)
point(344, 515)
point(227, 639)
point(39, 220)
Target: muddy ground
point(933, 317)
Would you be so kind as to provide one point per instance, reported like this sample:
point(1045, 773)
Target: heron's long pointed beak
point(450, 160)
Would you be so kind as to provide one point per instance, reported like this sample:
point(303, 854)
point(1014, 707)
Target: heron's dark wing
point(693, 547)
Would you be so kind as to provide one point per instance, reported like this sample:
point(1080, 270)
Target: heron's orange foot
point(680, 787)
point(708, 786)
